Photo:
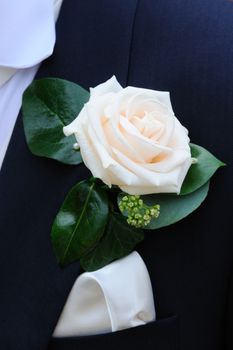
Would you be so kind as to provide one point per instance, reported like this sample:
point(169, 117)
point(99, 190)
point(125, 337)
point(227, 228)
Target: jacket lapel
point(93, 43)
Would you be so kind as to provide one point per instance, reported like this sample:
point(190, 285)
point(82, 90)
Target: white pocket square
point(115, 297)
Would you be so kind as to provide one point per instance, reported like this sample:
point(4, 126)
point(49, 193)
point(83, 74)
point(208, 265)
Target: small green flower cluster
point(139, 214)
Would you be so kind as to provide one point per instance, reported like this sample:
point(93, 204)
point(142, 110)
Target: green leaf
point(118, 241)
point(200, 172)
point(174, 208)
point(48, 105)
point(80, 222)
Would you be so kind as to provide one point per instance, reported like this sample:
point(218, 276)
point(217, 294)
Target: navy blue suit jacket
point(185, 47)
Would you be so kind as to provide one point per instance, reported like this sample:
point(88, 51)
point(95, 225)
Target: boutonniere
point(146, 173)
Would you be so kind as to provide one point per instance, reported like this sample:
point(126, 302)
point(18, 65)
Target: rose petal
point(162, 96)
point(146, 147)
point(168, 162)
point(180, 137)
point(88, 152)
point(73, 127)
point(118, 141)
point(111, 85)
point(169, 182)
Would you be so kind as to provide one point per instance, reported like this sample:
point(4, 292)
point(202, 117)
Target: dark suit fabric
point(185, 47)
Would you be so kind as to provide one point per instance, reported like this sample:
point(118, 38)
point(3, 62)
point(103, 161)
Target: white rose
point(131, 138)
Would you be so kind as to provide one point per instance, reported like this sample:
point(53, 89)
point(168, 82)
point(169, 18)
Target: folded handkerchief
point(116, 297)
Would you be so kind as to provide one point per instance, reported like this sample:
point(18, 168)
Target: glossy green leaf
point(174, 208)
point(202, 171)
point(80, 222)
point(48, 105)
point(118, 241)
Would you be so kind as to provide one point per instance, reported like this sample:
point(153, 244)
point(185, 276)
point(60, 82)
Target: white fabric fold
point(6, 73)
point(57, 7)
point(24, 23)
point(11, 90)
point(10, 103)
point(115, 297)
